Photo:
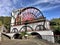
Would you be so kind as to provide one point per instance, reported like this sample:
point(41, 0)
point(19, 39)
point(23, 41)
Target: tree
point(5, 21)
point(0, 23)
point(55, 25)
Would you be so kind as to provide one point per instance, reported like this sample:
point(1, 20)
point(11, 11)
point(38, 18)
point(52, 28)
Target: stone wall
point(33, 25)
point(46, 35)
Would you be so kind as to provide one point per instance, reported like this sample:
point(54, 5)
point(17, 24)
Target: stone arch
point(17, 36)
point(24, 27)
point(40, 27)
point(15, 30)
point(36, 34)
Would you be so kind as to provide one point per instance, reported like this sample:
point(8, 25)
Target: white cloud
point(38, 2)
point(54, 1)
point(15, 1)
point(45, 1)
point(48, 6)
point(5, 7)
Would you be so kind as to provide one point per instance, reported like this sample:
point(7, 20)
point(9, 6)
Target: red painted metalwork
point(28, 14)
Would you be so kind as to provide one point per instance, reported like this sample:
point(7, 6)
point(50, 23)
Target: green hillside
point(5, 21)
point(0, 23)
point(55, 25)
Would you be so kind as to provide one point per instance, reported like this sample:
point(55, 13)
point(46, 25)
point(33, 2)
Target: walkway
point(26, 42)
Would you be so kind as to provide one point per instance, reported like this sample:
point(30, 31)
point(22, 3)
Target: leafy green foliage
point(0, 23)
point(23, 33)
point(55, 25)
point(5, 21)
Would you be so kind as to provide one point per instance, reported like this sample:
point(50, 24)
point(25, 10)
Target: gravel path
point(18, 42)
point(25, 42)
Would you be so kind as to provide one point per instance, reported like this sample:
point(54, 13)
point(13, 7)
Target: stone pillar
point(0, 36)
point(12, 38)
point(1, 30)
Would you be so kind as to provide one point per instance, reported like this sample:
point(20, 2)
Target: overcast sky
point(50, 8)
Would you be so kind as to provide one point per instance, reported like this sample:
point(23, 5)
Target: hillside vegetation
point(55, 25)
point(5, 21)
